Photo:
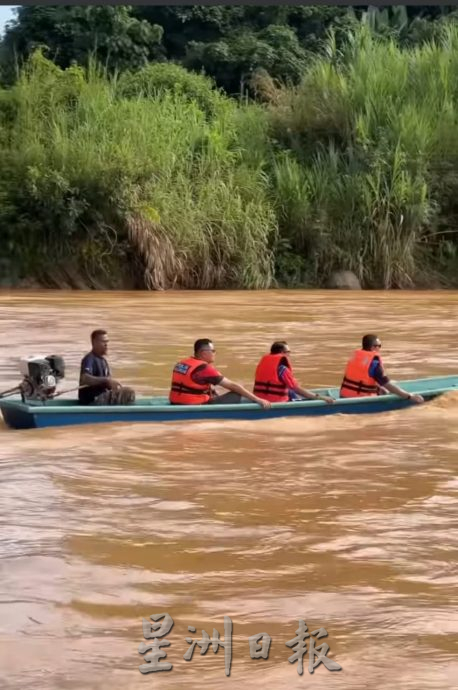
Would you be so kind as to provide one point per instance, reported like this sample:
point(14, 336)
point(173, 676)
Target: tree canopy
point(228, 43)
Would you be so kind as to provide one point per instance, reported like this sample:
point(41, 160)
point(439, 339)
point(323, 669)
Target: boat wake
point(448, 401)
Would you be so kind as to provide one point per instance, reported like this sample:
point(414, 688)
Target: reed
point(154, 172)
point(159, 175)
point(369, 135)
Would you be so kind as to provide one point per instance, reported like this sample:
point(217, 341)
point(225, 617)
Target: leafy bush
point(84, 164)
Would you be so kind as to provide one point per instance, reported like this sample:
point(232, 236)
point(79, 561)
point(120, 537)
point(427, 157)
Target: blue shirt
point(377, 372)
point(95, 366)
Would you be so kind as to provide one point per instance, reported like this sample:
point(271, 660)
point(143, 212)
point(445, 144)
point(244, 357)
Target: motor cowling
point(41, 375)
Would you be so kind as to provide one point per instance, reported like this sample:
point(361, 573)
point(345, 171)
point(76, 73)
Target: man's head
point(203, 349)
point(99, 340)
point(371, 343)
point(280, 347)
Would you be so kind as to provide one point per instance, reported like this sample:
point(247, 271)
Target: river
point(349, 523)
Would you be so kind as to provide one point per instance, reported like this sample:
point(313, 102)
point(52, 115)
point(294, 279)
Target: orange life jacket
point(356, 381)
point(184, 390)
point(267, 385)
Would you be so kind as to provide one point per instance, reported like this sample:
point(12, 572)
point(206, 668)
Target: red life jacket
point(356, 381)
point(267, 385)
point(184, 390)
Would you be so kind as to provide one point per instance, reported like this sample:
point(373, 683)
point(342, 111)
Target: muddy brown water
point(349, 523)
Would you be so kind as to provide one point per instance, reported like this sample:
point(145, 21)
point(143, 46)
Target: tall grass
point(160, 176)
point(87, 167)
point(372, 133)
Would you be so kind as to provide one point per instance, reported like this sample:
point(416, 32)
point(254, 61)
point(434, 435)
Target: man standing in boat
point(365, 375)
point(193, 380)
point(274, 378)
point(97, 387)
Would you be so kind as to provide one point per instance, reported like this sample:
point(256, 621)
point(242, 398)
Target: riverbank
point(157, 180)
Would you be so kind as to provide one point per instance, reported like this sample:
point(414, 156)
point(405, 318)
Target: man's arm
point(402, 393)
point(237, 388)
point(91, 380)
point(377, 372)
point(288, 379)
point(207, 374)
point(312, 396)
point(88, 376)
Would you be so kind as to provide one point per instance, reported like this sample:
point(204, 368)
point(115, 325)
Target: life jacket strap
point(181, 388)
point(270, 386)
point(358, 386)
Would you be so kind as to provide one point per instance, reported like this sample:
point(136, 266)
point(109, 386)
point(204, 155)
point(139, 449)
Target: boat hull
point(18, 415)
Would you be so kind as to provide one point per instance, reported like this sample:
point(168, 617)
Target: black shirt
point(95, 366)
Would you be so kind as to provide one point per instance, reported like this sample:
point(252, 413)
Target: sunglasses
point(379, 345)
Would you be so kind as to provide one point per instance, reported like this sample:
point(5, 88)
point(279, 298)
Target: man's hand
point(237, 388)
point(113, 384)
point(327, 399)
point(417, 398)
point(405, 395)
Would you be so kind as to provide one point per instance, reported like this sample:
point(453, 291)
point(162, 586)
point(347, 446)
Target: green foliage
point(227, 42)
point(110, 34)
point(391, 21)
point(291, 269)
point(82, 163)
point(232, 61)
point(371, 134)
point(353, 168)
point(156, 79)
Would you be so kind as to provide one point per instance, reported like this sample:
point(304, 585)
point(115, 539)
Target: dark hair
point(369, 341)
point(200, 344)
point(278, 347)
point(97, 333)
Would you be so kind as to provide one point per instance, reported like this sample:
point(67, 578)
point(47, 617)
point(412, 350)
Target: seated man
point(97, 387)
point(365, 375)
point(193, 378)
point(274, 379)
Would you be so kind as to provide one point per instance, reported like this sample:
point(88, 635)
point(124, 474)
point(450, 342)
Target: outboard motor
point(41, 375)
